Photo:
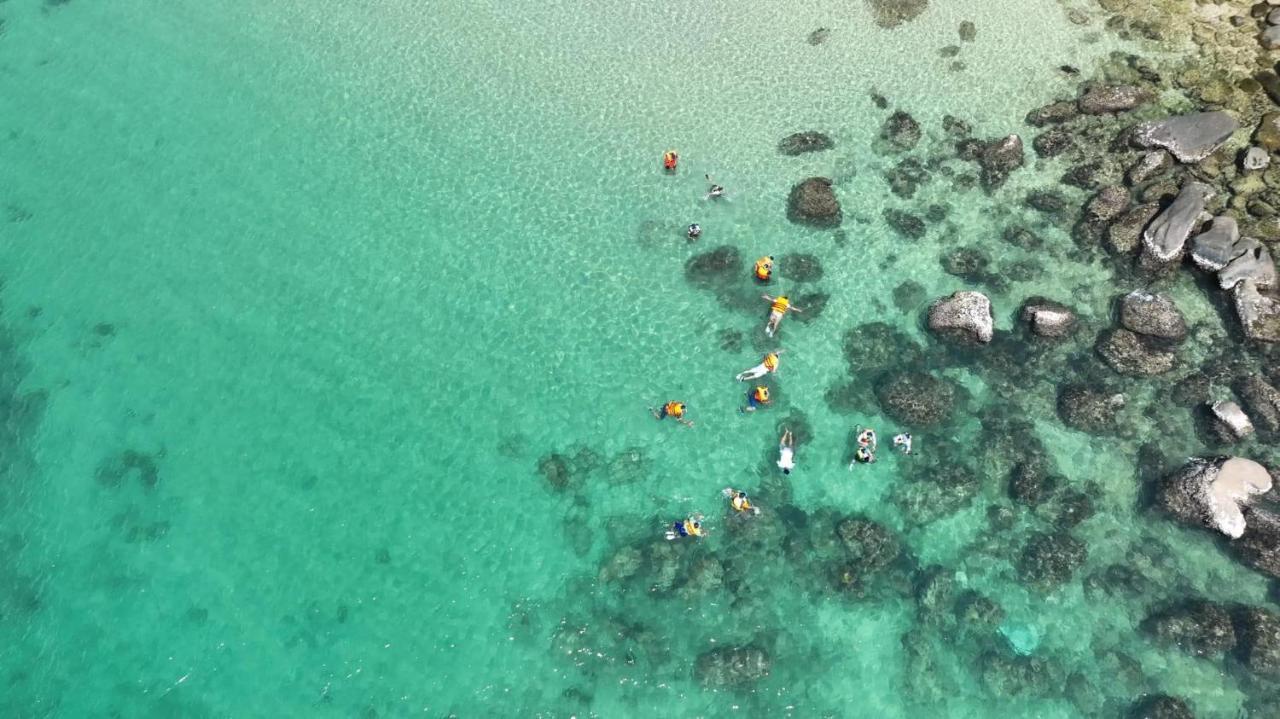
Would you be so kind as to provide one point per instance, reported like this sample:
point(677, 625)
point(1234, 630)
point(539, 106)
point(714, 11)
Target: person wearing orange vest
point(669, 160)
point(672, 409)
point(767, 366)
point(780, 305)
point(757, 397)
point(764, 268)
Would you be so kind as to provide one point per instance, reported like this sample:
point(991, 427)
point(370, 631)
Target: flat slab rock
point(1190, 138)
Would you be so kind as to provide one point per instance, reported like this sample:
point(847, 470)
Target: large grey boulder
point(1209, 493)
point(1164, 239)
point(1231, 423)
point(964, 315)
point(1104, 99)
point(1190, 138)
point(1259, 312)
point(1154, 315)
point(1212, 249)
point(1251, 261)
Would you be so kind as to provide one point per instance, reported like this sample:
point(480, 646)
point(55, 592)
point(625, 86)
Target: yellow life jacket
point(764, 268)
point(781, 304)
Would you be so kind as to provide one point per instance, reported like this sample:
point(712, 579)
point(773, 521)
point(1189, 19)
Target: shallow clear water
point(313, 287)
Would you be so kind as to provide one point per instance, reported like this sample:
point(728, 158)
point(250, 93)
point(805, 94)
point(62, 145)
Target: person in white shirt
point(786, 452)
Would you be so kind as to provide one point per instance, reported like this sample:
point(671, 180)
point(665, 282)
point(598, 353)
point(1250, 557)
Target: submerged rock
point(1209, 493)
point(813, 202)
point(964, 315)
point(1262, 401)
point(1160, 706)
point(1125, 234)
point(1088, 409)
point(1190, 138)
point(1154, 315)
point(901, 130)
point(1197, 627)
point(802, 142)
point(732, 666)
point(1047, 318)
point(892, 13)
point(1131, 354)
point(1164, 239)
point(1151, 164)
point(998, 159)
point(1104, 99)
point(916, 398)
point(1050, 560)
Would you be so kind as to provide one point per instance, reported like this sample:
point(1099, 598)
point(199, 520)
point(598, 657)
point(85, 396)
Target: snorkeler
point(739, 501)
point(866, 437)
point(672, 409)
point(862, 456)
point(781, 304)
point(786, 452)
point(767, 366)
point(756, 398)
point(691, 527)
point(716, 191)
point(695, 231)
point(903, 442)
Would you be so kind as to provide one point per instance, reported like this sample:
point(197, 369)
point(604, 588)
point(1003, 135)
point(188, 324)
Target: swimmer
point(786, 452)
point(781, 304)
point(672, 409)
point(695, 231)
point(866, 437)
point(767, 366)
point(669, 160)
point(715, 192)
point(863, 456)
point(691, 527)
point(757, 397)
point(739, 502)
point(903, 442)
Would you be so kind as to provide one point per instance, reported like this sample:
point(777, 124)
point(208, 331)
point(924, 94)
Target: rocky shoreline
point(1168, 181)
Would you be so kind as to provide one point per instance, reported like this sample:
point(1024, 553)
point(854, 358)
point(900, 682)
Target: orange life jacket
point(781, 304)
point(771, 362)
point(764, 268)
point(761, 394)
point(669, 159)
point(675, 409)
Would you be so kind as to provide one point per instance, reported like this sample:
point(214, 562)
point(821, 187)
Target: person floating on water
point(863, 455)
point(866, 437)
point(764, 268)
point(739, 501)
point(781, 304)
point(669, 160)
point(757, 397)
point(786, 451)
point(715, 192)
point(767, 366)
point(695, 231)
point(672, 409)
point(903, 442)
point(691, 527)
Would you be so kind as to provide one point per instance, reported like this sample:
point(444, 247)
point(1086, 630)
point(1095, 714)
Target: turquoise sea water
point(299, 295)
